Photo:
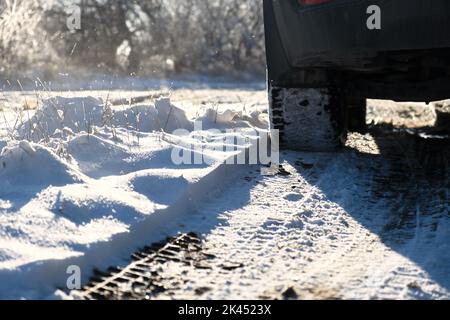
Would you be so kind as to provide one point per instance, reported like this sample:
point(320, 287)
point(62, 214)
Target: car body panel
point(336, 33)
point(407, 59)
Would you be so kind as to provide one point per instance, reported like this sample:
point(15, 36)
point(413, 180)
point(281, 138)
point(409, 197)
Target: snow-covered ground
point(84, 183)
point(86, 178)
point(322, 233)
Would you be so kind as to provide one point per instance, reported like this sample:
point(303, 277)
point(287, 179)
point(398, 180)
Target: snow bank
point(77, 115)
point(27, 165)
point(96, 183)
point(214, 118)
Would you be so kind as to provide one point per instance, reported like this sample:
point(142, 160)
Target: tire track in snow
point(340, 254)
point(337, 227)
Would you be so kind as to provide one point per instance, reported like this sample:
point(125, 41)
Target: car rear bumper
point(336, 34)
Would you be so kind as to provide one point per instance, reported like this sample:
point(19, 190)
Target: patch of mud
point(146, 277)
point(143, 278)
point(298, 293)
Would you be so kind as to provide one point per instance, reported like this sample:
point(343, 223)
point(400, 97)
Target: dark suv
point(325, 57)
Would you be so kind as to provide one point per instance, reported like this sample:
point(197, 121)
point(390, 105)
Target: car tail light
point(312, 2)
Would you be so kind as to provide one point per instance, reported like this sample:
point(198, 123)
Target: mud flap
point(308, 119)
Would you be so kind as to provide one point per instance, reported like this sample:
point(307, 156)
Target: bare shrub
point(24, 46)
point(142, 37)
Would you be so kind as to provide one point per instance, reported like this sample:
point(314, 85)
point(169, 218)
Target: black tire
point(308, 119)
point(356, 110)
point(309, 116)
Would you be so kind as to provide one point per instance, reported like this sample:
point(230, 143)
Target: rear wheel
point(308, 119)
point(309, 113)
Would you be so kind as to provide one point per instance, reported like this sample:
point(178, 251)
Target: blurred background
point(142, 38)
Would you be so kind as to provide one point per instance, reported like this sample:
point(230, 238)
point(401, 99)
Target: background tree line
point(137, 37)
